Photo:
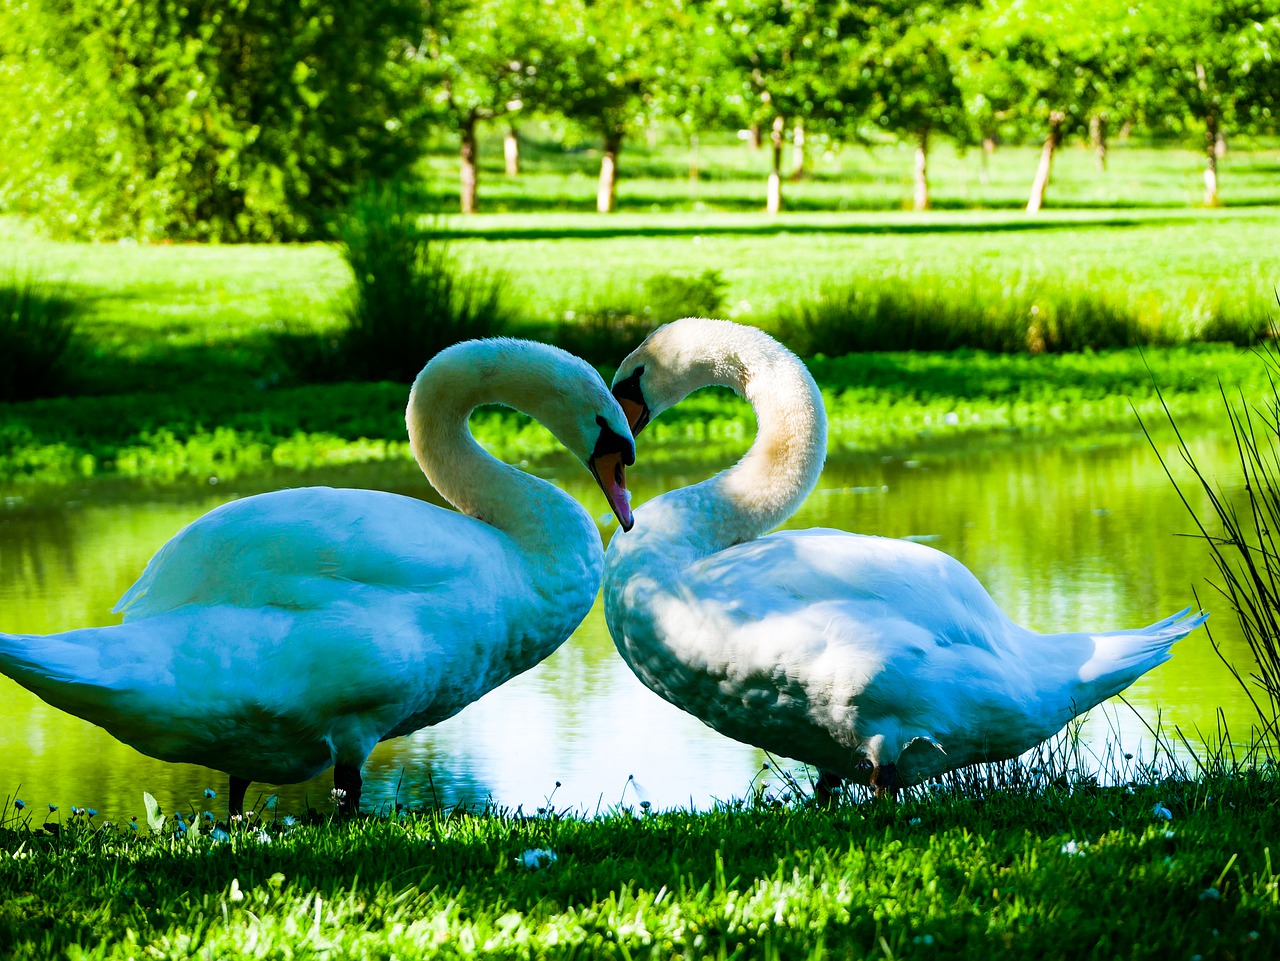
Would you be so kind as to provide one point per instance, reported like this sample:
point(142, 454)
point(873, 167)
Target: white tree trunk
point(1041, 184)
point(468, 173)
point(511, 151)
point(921, 199)
point(607, 193)
point(773, 203)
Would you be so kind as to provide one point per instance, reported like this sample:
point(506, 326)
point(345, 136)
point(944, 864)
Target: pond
point(1064, 538)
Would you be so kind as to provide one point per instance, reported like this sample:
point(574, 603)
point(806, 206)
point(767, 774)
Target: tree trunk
point(921, 201)
point(1041, 184)
point(468, 172)
point(797, 151)
point(607, 193)
point(1211, 133)
point(511, 151)
point(988, 151)
point(1098, 137)
point(773, 204)
point(754, 138)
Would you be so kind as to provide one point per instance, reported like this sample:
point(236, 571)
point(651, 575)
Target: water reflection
point(1065, 539)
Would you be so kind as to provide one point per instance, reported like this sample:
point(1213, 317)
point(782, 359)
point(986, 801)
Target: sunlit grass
point(1173, 866)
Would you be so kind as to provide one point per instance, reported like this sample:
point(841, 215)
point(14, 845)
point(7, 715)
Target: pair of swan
point(285, 633)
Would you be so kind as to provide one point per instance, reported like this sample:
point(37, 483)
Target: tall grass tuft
point(617, 317)
point(937, 314)
point(39, 343)
point(1243, 534)
point(409, 299)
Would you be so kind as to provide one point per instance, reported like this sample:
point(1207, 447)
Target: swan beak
point(611, 474)
point(637, 414)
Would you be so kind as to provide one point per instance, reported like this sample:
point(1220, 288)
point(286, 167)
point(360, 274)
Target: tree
point(1210, 67)
point(788, 59)
point(912, 90)
point(240, 120)
point(610, 73)
point(483, 60)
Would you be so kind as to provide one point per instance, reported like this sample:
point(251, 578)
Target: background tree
point(912, 89)
point(483, 60)
point(788, 60)
point(609, 75)
point(235, 120)
point(1210, 68)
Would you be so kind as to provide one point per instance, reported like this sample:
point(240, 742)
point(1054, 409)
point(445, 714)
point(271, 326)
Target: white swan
point(877, 660)
point(288, 632)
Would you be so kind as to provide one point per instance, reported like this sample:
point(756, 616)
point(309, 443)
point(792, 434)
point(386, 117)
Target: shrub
point(409, 300)
point(936, 314)
point(236, 121)
point(39, 343)
point(618, 318)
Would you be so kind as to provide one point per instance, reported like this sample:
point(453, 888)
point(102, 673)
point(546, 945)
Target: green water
point(1063, 538)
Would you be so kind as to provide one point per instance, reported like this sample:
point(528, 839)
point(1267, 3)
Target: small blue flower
point(91, 812)
point(208, 815)
point(217, 834)
point(210, 792)
point(19, 803)
point(52, 808)
point(75, 811)
point(133, 825)
point(290, 820)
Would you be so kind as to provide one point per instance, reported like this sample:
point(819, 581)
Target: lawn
point(1053, 868)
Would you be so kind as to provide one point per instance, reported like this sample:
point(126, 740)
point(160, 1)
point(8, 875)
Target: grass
point(1181, 865)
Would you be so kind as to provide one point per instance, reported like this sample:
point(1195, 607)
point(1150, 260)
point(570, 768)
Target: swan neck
point(534, 512)
point(783, 464)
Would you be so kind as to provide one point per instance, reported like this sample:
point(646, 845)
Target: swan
point(288, 632)
point(876, 660)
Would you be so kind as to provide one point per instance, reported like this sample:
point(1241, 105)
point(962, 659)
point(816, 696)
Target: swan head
point(563, 392)
point(576, 406)
point(679, 358)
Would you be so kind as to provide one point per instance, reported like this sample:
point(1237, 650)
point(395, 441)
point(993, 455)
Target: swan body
point(877, 660)
point(288, 632)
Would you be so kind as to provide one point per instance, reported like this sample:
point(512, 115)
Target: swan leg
point(347, 780)
point(884, 778)
point(824, 789)
point(235, 795)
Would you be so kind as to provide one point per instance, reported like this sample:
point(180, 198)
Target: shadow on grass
point(612, 230)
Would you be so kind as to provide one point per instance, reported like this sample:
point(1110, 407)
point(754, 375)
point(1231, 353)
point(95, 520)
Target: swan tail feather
point(58, 670)
point(1121, 657)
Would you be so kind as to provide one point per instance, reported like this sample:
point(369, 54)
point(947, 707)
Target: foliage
point(943, 314)
point(39, 344)
point(619, 317)
point(204, 121)
point(1178, 862)
point(409, 299)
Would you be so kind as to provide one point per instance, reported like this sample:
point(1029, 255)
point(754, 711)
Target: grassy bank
point(874, 402)
point(1172, 868)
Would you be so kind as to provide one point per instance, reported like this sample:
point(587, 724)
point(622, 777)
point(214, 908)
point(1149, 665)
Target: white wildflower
point(536, 858)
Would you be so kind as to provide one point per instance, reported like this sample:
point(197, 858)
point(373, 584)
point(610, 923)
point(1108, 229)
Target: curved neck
point(533, 512)
point(782, 466)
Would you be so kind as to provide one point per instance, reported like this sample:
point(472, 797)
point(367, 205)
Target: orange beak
point(611, 474)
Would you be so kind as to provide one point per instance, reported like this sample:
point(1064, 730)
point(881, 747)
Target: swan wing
point(302, 548)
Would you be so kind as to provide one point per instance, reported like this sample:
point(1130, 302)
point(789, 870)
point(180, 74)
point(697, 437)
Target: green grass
point(168, 317)
point(1062, 870)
